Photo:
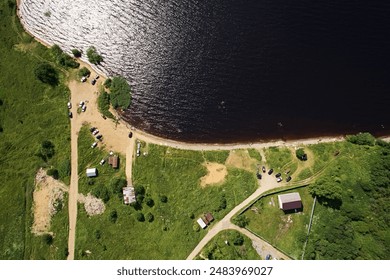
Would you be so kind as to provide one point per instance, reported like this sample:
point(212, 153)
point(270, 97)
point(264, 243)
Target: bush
point(140, 217)
point(104, 104)
point(139, 190)
point(117, 184)
point(364, 138)
point(150, 217)
point(238, 239)
point(300, 153)
point(107, 83)
point(328, 193)
point(84, 72)
point(241, 221)
point(149, 202)
point(46, 74)
point(47, 239)
point(102, 193)
point(53, 173)
point(93, 56)
point(46, 150)
point(113, 216)
point(76, 53)
point(164, 199)
point(62, 58)
point(120, 93)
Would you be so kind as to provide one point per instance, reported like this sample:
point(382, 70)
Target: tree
point(47, 150)
point(300, 153)
point(53, 173)
point(93, 56)
point(139, 190)
point(76, 53)
point(102, 193)
point(327, 193)
point(164, 199)
point(241, 221)
point(149, 201)
point(140, 217)
point(47, 238)
point(113, 216)
point(117, 185)
point(84, 72)
point(238, 239)
point(107, 83)
point(46, 74)
point(364, 138)
point(149, 217)
point(120, 93)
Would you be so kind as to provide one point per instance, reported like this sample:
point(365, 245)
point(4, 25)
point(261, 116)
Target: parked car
point(102, 162)
point(263, 168)
point(70, 115)
point(81, 104)
point(93, 82)
point(278, 175)
point(279, 179)
point(83, 79)
point(96, 131)
point(84, 108)
point(99, 137)
point(94, 144)
point(97, 77)
point(130, 134)
point(258, 175)
point(270, 171)
point(69, 105)
point(288, 179)
point(268, 257)
point(92, 129)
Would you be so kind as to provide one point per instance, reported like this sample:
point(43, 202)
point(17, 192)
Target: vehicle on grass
point(102, 162)
point(287, 171)
point(258, 175)
point(279, 179)
point(278, 175)
point(263, 168)
point(94, 144)
point(69, 105)
point(288, 179)
point(270, 171)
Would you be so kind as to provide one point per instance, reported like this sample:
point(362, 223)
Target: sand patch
point(241, 159)
point(92, 205)
point(216, 174)
point(48, 197)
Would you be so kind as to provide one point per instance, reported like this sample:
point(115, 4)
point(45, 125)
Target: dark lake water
point(242, 71)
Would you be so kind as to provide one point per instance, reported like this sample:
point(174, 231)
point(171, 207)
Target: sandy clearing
point(47, 193)
point(241, 159)
point(216, 174)
point(92, 205)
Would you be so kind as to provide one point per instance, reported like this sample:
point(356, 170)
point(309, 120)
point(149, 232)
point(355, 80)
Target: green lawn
point(217, 249)
point(285, 231)
point(30, 112)
point(279, 159)
point(174, 232)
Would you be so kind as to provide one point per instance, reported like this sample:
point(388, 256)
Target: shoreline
point(147, 137)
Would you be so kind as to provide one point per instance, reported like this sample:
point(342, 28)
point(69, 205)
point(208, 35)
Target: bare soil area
point(48, 196)
point(92, 205)
point(216, 174)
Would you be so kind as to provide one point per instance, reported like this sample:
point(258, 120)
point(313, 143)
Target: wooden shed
point(290, 201)
point(113, 161)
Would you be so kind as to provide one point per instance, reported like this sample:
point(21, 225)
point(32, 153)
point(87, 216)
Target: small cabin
point(91, 172)
point(201, 223)
point(208, 218)
point(290, 201)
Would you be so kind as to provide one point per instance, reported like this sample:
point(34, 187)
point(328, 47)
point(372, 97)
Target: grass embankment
point(238, 247)
point(30, 112)
point(173, 231)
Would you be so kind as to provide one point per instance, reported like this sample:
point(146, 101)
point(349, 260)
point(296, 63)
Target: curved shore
point(142, 135)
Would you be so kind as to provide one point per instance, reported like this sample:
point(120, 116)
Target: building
point(208, 218)
point(114, 161)
point(92, 172)
point(201, 223)
point(290, 201)
point(128, 195)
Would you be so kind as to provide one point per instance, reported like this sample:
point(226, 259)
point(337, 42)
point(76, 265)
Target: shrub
point(98, 234)
point(53, 173)
point(47, 239)
point(364, 138)
point(139, 190)
point(164, 199)
point(102, 193)
point(93, 56)
point(140, 217)
point(241, 221)
point(47, 149)
point(84, 72)
point(120, 93)
point(300, 153)
point(149, 202)
point(67, 61)
point(238, 239)
point(149, 217)
point(196, 227)
point(76, 53)
point(107, 83)
point(46, 74)
point(104, 104)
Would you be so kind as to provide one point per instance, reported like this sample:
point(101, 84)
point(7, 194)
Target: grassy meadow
point(30, 112)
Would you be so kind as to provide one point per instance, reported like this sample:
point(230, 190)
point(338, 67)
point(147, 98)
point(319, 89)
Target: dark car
point(92, 129)
point(263, 168)
point(99, 137)
point(93, 82)
point(268, 257)
point(278, 175)
point(130, 134)
point(270, 171)
point(288, 179)
point(258, 175)
point(70, 115)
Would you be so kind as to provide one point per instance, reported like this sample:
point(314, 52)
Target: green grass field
point(30, 112)
point(285, 231)
point(217, 249)
point(173, 233)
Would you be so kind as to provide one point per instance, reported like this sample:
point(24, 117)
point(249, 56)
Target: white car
point(279, 179)
point(102, 162)
point(81, 104)
point(96, 131)
point(69, 105)
point(84, 108)
point(94, 144)
point(83, 79)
